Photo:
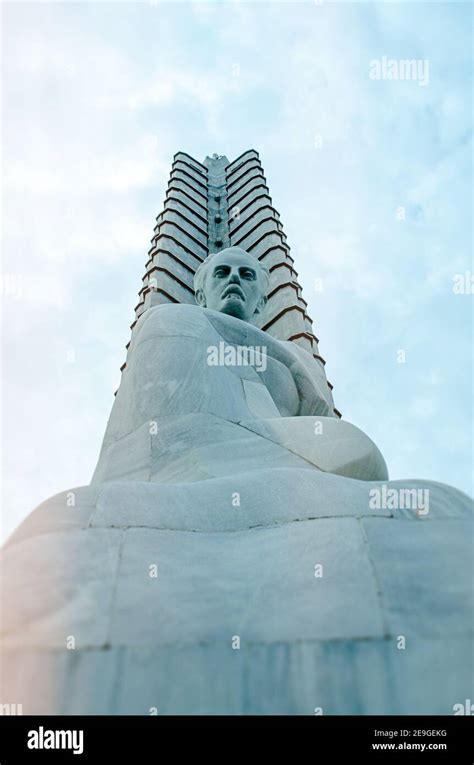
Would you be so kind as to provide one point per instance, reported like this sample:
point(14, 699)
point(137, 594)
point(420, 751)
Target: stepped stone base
point(177, 599)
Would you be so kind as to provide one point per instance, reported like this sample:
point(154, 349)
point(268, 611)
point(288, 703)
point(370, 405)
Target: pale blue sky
point(97, 97)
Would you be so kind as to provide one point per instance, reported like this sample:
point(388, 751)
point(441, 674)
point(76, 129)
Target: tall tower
point(217, 204)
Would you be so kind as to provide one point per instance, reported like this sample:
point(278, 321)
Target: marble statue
point(269, 408)
point(236, 551)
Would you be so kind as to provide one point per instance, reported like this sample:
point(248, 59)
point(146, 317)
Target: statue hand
point(311, 400)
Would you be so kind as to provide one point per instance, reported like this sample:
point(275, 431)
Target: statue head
point(233, 282)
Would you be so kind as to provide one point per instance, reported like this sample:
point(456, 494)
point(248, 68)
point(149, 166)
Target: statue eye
point(247, 273)
point(221, 271)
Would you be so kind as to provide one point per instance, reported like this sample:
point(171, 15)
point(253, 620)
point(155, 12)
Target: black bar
point(445, 739)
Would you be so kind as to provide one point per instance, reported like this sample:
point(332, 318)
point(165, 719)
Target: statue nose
point(234, 277)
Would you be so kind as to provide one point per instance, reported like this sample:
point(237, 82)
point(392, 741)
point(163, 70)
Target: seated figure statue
point(190, 376)
point(240, 549)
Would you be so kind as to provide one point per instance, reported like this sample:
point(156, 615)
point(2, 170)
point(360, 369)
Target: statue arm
point(310, 380)
point(312, 400)
point(307, 372)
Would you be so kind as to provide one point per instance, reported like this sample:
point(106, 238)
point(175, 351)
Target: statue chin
point(233, 305)
point(236, 309)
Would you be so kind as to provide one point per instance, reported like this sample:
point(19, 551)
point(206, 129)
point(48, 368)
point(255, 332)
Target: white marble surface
point(236, 508)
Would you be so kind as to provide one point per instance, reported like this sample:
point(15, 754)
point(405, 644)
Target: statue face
point(233, 285)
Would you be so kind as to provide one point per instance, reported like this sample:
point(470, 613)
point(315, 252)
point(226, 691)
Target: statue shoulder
point(171, 319)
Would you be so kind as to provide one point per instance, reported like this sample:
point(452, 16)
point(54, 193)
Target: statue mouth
point(233, 291)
